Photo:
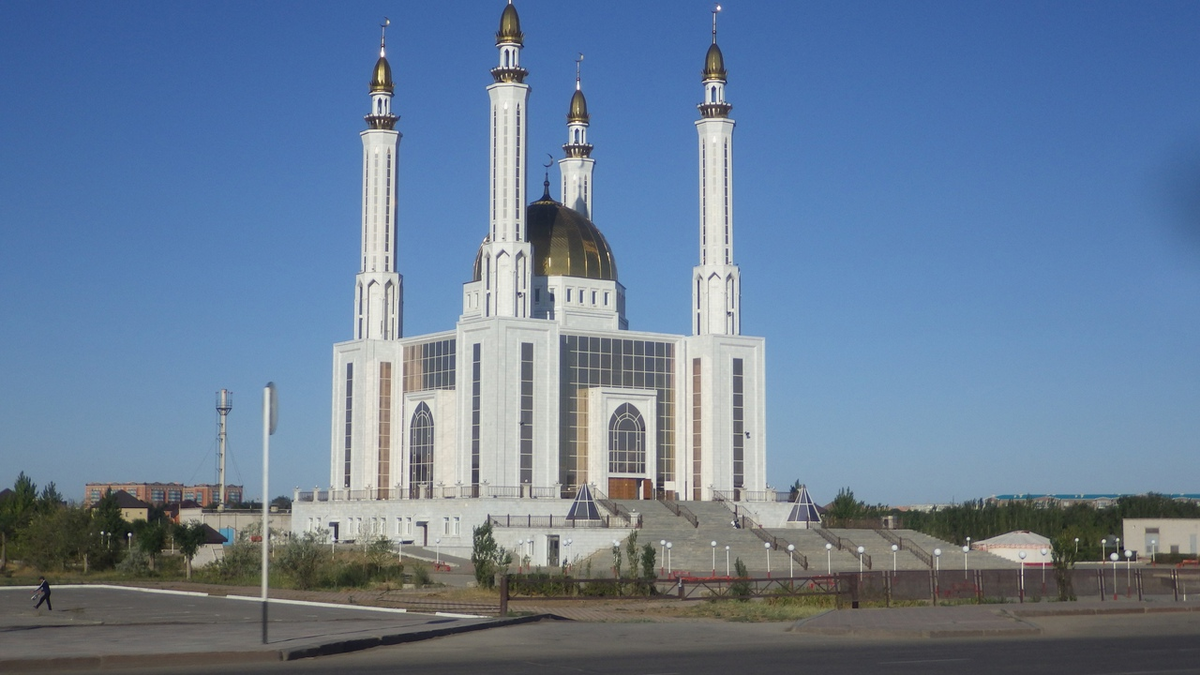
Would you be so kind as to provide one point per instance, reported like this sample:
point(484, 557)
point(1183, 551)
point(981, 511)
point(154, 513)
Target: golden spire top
point(578, 61)
point(714, 61)
point(510, 26)
point(381, 77)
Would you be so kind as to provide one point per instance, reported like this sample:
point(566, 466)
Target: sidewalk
point(967, 621)
point(111, 626)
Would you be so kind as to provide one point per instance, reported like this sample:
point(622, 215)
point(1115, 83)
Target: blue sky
point(970, 231)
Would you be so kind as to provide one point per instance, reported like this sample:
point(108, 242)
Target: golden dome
point(510, 26)
point(578, 111)
point(381, 79)
point(564, 243)
point(714, 64)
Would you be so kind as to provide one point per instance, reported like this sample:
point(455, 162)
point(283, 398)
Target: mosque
point(540, 388)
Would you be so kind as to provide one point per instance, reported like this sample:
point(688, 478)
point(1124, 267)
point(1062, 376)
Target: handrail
point(614, 508)
point(680, 511)
point(843, 543)
point(777, 543)
point(908, 544)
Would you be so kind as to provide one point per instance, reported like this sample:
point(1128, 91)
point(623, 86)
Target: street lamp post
point(829, 559)
point(966, 550)
point(791, 570)
point(1114, 558)
point(767, 545)
point(1153, 550)
point(437, 552)
point(894, 549)
point(1044, 551)
point(713, 544)
point(937, 560)
point(1021, 590)
point(1128, 571)
point(668, 558)
point(726, 560)
point(128, 541)
point(861, 551)
point(1103, 542)
point(662, 560)
point(1076, 547)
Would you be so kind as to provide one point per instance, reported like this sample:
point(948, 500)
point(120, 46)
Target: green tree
point(54, 539)
point(487, 556)
point(151, 537)
point(302, 557)
point(189, 537)
point(15, 513)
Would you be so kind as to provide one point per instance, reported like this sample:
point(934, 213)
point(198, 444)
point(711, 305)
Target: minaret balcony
point(509, 74)
point(382, 121)
point(578, 149)
point(715, 109)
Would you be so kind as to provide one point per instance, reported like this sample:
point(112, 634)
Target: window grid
point(349, 427)
point(739, 426)
point(627, 441)
point(429, 365)
point(697, 437)
point(475, 398)
point(607, 362)
point(420, 471)
point(526, 422)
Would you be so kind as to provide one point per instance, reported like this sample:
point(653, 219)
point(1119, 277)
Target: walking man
point(43, 590)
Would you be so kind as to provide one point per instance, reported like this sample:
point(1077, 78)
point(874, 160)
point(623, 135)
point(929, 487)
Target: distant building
point(131, 507)
point(1096, 500)
point(159, 494)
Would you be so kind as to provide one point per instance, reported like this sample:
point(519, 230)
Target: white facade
point(540, 387)
point(1151, 536)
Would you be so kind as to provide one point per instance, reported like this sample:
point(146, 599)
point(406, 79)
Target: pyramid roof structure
point(584, 506)
point(803, 509)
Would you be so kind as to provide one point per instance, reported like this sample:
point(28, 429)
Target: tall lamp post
point(662, 561)
point(966, 550)
point(1128, 571)
point(1114, 558)
point(767, 545)
point(791, 570)
point(894, 549)
point(829, 559)
point(668, 558)
point(861, 551)
point(1044, 551)
point(437, 552)
point(726, 560)
point(1021, 590)
point(713, 544)
point(1076, 547)
point(1103, 542)
point(1153, 550)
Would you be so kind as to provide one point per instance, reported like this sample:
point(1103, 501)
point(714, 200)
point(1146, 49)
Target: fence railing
point(777, 543)
point(906, 544)
point(553, 521)
point(426, 490)
point(614, 508)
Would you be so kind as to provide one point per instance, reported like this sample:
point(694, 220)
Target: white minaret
point(379, 291)
point(716, 281)
point(507, 253)
point(576, 167)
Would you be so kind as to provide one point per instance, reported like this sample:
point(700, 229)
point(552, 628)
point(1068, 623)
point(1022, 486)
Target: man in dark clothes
point(43, 589)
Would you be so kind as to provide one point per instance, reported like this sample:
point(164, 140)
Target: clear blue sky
point(970, 231)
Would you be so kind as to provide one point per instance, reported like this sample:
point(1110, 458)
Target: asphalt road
point(1102, 645)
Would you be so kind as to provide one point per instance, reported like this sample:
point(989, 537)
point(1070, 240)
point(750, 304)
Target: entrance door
point(552, 550)
point(622, 488)
point(333, 530)
point(422, 538)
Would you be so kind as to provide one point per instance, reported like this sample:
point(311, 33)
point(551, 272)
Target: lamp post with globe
point(894, 549)
point(966, 550)
point(829, 559)
point(1114, 558)
point(1021, 589)
point(767, 545)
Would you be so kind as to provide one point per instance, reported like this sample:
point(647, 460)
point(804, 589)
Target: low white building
point(1011, 545)
point(1148, 536)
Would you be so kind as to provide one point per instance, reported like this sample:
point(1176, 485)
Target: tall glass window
point(384, 469)
point(627, 441)
point(475, 385)
point(420, 447)
point(739, 425)
point(349, 423)
point(526, 422)
point(697, 438)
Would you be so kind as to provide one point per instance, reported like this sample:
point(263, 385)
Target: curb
point(343, 646)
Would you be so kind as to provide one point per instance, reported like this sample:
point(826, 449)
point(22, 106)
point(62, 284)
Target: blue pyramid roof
point(584, 506)
point(803, 509)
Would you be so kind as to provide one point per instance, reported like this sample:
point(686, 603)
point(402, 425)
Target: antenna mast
point(224, 405)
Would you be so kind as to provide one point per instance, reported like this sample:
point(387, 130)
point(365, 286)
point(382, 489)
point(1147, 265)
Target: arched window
point(713, 96)
point(627, 441)
point(576, 135)
point(420, 446)
point(505, 58)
